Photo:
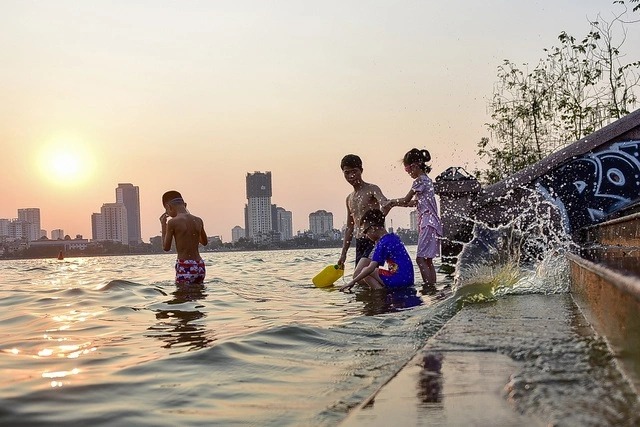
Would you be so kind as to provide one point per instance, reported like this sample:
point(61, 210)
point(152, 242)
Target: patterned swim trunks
point(189, 271)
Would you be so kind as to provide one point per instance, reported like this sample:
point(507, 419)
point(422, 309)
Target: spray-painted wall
point(590, 187)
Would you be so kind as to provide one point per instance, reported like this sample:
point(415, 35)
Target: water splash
point(523, 255)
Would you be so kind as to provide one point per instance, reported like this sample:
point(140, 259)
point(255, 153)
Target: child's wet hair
point(351, 161)
point(421, 157)
point(169, 196)
point(373, 217)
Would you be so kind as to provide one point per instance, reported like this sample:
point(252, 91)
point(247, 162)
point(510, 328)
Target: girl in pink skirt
point(423, 198)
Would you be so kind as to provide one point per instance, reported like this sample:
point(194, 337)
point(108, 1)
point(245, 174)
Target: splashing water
point(523, 256)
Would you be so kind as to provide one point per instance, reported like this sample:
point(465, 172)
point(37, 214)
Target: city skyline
point(114, 211)
point(190, 96)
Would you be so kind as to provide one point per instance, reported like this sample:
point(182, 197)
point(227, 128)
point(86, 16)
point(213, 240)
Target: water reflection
point(380, 301)
point(180, 325)
point(430, 382)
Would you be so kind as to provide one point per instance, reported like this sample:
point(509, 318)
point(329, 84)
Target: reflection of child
point(429, 226)
point(388, 249)
point(188, 231)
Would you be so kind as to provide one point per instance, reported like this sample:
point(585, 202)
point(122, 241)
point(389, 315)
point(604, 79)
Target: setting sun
point(65, 162)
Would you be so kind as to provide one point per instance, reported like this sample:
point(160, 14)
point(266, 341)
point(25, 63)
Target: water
point(113, 341)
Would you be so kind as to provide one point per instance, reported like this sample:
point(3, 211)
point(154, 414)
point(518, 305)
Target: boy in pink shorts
point(188, 231)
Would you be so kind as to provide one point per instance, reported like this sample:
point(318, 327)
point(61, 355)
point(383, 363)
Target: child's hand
point(385, 207)
point(347, 286)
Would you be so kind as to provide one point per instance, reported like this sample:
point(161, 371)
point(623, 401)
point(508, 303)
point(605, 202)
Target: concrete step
point(610, 301)
point(521, 360)
point(623, 259)
point(623, 231)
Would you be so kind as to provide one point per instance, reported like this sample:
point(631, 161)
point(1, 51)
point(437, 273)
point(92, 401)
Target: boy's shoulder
point(185, 217)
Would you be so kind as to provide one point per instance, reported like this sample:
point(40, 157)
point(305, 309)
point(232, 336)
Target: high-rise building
point(31, 216)
point(114, 221)
point(129, 195)
point(97, 227)
point(258, 217)
point(321, 223)
point(237, 233)
point(19, 230)
point(413, 220)
point(57, 234)
point(4, 227)
point(284, 221)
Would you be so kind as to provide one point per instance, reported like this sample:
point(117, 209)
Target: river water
point(113, 341)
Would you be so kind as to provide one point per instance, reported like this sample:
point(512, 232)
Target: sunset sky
point(192, 95)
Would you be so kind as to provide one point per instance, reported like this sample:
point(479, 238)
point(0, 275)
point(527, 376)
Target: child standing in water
point(388, 250)
point(365, 196)
point(188, 231)
point(422, 196)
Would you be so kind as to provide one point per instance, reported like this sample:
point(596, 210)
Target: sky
point(193, 95)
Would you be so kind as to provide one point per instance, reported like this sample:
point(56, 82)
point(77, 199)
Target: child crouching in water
point(388, 248)
point(422, 196)
point(188, 231)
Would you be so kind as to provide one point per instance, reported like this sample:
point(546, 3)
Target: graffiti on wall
point(588, 188)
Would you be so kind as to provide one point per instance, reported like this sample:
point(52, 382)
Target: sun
point(66, 162)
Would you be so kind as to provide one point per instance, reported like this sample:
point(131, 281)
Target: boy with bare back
point(365, 196)
point(188, 231)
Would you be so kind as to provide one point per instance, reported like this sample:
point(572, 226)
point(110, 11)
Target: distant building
point(129, 195)
point(43, 233)
point(413, 220)
point(31, 216)
point(237, 233)
point(321, 223)
point(114, 222)
point(4, 227)
point(97, 227)
point(284, 223)
point(57, 234)
point(19, 230)
point(258, 217)
point(79, 244)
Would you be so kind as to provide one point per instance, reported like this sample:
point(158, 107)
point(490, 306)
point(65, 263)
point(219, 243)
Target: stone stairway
point(606, 286)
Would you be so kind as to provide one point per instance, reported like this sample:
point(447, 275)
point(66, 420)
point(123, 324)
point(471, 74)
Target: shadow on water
point(181, 323)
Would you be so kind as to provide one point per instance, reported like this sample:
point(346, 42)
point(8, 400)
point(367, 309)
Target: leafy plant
point(580, 86)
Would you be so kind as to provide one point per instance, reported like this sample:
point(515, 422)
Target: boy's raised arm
point(204, 240)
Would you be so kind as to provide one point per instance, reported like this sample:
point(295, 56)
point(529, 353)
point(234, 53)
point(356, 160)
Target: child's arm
point(204, 240)
point(167, 232)
point(406, 201)
point(381, 198)
point(363, 273)
point(348, 235)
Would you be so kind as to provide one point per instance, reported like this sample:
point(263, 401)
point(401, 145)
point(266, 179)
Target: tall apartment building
point(284, 223)
point(114, 221)
point(4, 227)
point(57, 234)
point(321, 223)
point(97, 227)
point(31, 216)
point(258, 217)
point(413, 220)
point(129, 195)
point(237, 233)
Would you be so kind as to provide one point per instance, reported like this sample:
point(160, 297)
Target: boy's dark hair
point(352, 161)
point(169, 196)
point(373, 217)
point(421, 157)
